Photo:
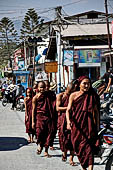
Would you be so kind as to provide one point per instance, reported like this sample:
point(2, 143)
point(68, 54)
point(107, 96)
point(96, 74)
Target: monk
point(52, 97)
point(28, 114)
point(41, 118)
point(34, 88)
point(64, 134)
point(83, 120)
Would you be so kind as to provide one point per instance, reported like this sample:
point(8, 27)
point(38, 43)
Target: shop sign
point(51, 67)
point(89, 58)
point(68, 57)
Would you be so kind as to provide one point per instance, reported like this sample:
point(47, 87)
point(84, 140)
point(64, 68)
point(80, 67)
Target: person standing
point(63, 133)
point(82, 117)
point(108, 77)
point(19, 91)
point(41, 118)
point(52, 97)
point(28, 114)
point(34, 88)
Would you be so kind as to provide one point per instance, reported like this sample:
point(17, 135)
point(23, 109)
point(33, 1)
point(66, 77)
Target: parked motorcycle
point(106, 105)
point(106, 148)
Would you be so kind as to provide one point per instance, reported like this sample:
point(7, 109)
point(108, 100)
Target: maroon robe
point(28, 123)
point(43, 120)
point(64, 134)
point(85, 110)
point(52, 98)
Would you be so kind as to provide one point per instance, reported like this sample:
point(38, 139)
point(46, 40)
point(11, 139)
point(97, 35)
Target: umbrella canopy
point(45, 51)
point(37, 58)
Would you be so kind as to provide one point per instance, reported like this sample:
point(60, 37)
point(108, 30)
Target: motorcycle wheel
point(18, 105)
point(111, 106)
point(22, 107)
point(4, 101)
point(109, 163)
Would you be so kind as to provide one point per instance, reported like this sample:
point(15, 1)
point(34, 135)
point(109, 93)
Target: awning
point(37, 58)
point(45, 51)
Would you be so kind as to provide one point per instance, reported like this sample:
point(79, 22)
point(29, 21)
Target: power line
point(78, 25)
point(73, 3)
point(110, 5)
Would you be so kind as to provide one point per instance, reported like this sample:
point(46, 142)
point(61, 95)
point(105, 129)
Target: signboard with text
point(51, 67)
point(68, 57)
point(89, 58)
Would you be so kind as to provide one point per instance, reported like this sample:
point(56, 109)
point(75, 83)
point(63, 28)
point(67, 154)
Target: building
point(84, 43)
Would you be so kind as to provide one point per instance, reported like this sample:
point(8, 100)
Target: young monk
point(41, 118)
point(83, 120)
point(28, 114)
point(52, 97)
point(64, 134)
point(35, 88)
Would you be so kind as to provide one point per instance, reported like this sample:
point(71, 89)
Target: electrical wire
point(110, 5)
point(78, 25)
point(73, 3)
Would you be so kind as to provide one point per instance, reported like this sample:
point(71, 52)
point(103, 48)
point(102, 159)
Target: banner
point(89, 58)
point(21, 65)
point(68, 57)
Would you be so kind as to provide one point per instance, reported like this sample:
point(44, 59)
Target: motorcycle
point(106, 148)
point(7, 97)
point(20, 103)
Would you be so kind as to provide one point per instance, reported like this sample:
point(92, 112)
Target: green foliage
point(8, 39)
point(31, 24)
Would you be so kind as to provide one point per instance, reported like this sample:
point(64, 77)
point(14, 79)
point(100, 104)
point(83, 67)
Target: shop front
point(23, 76)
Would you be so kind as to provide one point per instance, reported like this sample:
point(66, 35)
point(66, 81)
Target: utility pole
point(25, 58)
point(58, 37)
point(109, 43)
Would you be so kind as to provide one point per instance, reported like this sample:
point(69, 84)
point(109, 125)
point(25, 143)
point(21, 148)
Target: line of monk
point(74, 113)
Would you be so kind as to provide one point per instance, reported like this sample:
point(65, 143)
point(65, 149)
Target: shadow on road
point(12, 143)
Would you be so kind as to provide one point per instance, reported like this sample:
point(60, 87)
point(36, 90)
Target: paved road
point(16, 154)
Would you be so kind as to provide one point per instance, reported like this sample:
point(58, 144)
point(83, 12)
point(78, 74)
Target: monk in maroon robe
point(83, 119)
point(41, 118)
point(28, 114)
point(63, 132)
point(52, 97)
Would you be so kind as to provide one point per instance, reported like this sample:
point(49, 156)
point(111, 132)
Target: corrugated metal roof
point(85, 30)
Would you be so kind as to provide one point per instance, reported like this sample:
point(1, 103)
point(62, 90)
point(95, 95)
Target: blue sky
point(16, 9)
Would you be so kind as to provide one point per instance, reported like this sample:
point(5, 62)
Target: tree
point(31, 24)
point(8, 38)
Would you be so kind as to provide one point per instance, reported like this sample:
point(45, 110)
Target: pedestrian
point(83, 120)
point(28, 115)
point(19, 91)
point(41, 118)
point(52, 97)
point(34, 88)
point(63, 133)
point(12, 90)
point(108, 76)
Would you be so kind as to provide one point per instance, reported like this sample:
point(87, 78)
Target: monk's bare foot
point(72, 163)
point(39, 150)
point(32, 141)
point(29, 140)
point(47, 155)
point(51, 148)
point(64, 157)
